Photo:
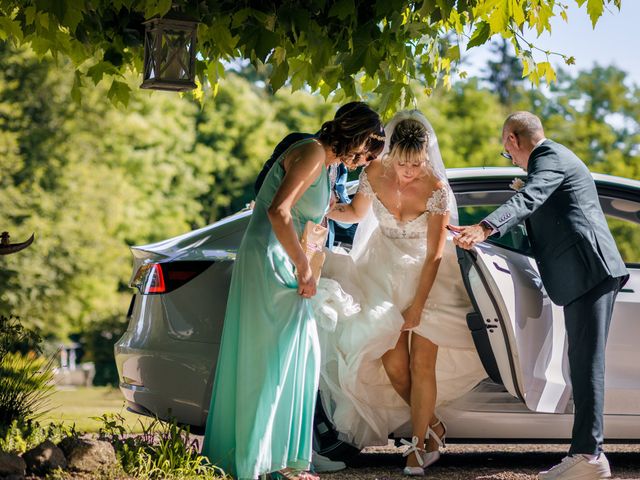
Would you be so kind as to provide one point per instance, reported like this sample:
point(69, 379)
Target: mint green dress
point(261, 414)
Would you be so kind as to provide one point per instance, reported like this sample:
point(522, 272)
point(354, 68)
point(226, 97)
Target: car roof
point(485, 173)
point(509, 172)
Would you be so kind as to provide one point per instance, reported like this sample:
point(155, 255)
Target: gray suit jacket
point(567, 229)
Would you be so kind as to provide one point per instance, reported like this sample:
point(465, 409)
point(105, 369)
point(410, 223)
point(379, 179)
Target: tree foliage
point(342, 47)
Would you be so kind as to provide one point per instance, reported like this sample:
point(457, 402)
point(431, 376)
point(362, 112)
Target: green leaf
point(300, 71)
point(390, 94)
point(372, 60)
point(224, 41)
point(595, 9)
point(517, 12)
point(445, 8)
point(240, 17)
point(427, 8)
point(29, 15)
point(10, 28)
point(279, 75)
point(101, 68)
point(499, 18)
point(279, 55)
point(157, 8)
point(563, 14)
point(119, 93)
point(73, 16)
point(480, 35)
point(43, 20)
point(453, 52)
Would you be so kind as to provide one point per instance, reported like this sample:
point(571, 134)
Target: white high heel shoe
point(430, 458)
point(418, 452)
point(425, 459)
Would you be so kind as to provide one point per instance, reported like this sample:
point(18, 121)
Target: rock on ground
point(12, 466)
point(44, 458)
point(88, 455)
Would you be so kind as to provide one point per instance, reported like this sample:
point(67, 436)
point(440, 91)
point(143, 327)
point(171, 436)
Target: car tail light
point(154, 278)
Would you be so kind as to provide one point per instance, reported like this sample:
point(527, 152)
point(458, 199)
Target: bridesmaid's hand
point(306, 281)
point(412, 316)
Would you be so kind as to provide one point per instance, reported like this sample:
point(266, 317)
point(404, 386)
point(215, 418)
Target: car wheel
point(327, 442)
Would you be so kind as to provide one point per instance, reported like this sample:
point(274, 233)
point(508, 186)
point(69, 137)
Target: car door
point(518, 331)
point(621, 207)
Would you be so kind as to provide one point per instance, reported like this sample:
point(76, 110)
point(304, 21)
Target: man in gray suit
point(580, 267)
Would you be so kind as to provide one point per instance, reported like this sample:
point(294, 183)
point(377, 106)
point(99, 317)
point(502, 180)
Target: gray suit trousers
point(587, 321)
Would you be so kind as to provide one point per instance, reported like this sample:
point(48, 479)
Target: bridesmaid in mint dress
point(262, 405)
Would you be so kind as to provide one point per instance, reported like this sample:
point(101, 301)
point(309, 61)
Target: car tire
point(326, 441)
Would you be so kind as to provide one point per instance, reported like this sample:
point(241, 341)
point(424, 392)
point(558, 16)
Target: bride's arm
point(351, 212)
point(436, 238)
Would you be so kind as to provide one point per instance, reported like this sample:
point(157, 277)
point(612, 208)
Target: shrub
point(16, 338)
point(163, 451)
point(19, 437)
point(25, 387)
point(25, 377)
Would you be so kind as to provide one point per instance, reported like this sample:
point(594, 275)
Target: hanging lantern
point(170, 54)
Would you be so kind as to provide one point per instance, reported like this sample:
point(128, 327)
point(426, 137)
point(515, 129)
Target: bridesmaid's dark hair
point(354, 125)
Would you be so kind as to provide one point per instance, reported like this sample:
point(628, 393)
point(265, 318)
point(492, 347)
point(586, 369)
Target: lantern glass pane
point(174, 55)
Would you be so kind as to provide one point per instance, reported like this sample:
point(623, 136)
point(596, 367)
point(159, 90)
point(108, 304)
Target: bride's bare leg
point(423, 387)
point(396, 364)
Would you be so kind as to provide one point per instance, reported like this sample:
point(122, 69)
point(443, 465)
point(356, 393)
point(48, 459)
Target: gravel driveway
point(483, 462)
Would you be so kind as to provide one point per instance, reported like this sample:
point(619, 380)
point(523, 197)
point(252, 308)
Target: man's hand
point(467, 237)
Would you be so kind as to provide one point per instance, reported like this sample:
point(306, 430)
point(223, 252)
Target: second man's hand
point(466, 237)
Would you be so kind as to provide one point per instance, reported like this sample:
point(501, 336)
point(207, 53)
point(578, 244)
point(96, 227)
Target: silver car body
point(166, 359)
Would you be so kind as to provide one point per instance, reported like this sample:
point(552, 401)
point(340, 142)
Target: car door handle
point(627, 290)
point(502, 269)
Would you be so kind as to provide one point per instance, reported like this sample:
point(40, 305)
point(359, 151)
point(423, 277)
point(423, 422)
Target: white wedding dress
point(359, 310)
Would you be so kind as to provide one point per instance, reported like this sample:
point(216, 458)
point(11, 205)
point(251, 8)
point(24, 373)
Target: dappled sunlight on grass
point(78, 405)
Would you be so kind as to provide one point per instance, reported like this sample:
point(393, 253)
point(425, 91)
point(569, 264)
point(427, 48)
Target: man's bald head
point(520, 134)
point(525, 125)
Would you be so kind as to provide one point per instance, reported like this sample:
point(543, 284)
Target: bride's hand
point(411, 317)
point(306, 281)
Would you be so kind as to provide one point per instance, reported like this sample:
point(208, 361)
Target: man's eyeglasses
point(506, 154)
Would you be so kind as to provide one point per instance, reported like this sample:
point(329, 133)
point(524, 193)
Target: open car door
point(518, 332)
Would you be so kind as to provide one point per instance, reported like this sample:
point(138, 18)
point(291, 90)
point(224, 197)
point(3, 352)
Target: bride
point(395, 343)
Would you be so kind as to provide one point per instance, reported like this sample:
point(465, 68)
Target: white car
point(166, 359)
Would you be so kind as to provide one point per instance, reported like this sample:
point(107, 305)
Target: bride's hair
point(355, 124)
point(409, 143)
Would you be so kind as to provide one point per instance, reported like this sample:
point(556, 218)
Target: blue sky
point(615, 40)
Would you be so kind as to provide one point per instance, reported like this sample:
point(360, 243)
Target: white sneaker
point(577, 467)
point(322, 464)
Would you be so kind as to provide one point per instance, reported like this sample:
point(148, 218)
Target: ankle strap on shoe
point(413, 448)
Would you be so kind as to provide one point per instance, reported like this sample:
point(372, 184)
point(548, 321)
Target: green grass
point(78, 405)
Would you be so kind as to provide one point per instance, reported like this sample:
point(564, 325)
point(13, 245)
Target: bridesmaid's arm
point(351, 212)
point(302, 167)
point(436, 238)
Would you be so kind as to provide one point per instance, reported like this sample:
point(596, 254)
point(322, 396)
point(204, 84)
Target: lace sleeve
point(364, 187)
point(439, 202)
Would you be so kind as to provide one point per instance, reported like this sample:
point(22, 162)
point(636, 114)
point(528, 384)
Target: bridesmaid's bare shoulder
point(310, 154)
